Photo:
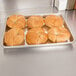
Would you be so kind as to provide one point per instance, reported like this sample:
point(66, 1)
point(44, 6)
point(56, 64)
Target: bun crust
point(53, 21)
point(36, 36)
point(14, 37)
point(58, 34)
point(16, 21)
point(35, 22)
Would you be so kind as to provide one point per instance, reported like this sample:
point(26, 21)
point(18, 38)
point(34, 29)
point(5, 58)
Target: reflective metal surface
point(19, 4)
point(42, 61)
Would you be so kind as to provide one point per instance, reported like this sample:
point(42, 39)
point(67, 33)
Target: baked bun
point(14, 37)
point(58, 34)
point(35, 22)
point(36, 36)
point(16, 21)
point(53, 21)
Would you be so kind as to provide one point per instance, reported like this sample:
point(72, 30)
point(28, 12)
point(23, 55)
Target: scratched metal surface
point(42, 61)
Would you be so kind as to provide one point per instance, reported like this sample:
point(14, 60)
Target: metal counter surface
point(42, 61)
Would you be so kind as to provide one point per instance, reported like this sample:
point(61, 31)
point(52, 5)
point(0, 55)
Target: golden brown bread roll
point(36, 36)
point(16, 21)
point(53, 21)
point(58, 34)
point(35, 22)
point(14, 37)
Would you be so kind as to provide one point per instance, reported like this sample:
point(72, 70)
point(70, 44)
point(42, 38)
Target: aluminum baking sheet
point(40, 45)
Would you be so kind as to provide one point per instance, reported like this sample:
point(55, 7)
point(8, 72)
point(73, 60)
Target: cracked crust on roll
point(16, 21)
point(35, 22)
point(36, 36)
point(14, 37)
point(53, 21)
point(58, 34)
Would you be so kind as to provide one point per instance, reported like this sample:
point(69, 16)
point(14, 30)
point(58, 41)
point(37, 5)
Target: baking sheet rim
point(51, 44)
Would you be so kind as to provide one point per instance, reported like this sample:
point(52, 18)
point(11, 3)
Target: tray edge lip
point(52, 44)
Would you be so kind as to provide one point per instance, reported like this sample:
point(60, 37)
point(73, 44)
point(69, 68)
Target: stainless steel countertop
point(42, 61)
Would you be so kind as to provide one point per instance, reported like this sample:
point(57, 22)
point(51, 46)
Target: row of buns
point(20, 21)
point(36, 34)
